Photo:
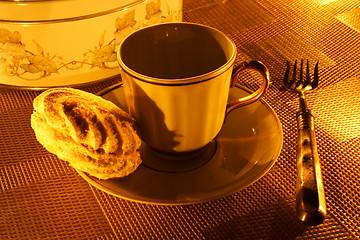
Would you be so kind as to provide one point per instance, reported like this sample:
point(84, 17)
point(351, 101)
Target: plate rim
point(75, 85)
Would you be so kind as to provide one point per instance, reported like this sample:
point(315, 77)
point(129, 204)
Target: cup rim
point(179, 81)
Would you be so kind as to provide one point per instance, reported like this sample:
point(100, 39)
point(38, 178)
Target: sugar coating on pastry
point(91, 133)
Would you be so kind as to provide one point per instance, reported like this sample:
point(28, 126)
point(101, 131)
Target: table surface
point(41, 197)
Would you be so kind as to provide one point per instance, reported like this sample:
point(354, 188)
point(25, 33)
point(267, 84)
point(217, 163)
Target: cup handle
point(262, 69)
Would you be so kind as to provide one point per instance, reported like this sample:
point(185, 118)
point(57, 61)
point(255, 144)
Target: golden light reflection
point(324, 2)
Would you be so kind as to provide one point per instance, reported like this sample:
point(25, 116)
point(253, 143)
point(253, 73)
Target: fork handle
point(310, 197)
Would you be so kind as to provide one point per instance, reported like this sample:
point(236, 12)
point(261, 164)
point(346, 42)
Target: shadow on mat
point(266, 223)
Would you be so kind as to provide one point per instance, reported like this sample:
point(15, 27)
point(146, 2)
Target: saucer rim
point(96, 184)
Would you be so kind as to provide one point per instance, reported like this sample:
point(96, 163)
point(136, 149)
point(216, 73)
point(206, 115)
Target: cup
point(176, 79)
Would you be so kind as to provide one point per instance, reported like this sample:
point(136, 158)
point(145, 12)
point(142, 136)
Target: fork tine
point(301, 84)
point(293, 84)
point(301, 75)
point(301, 71)
point(307, 81)
point(296, 84)
point(315, 82)
point(286, 77)
point(294, 73)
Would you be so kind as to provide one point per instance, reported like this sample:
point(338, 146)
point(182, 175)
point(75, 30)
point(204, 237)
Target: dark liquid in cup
point(173, 53)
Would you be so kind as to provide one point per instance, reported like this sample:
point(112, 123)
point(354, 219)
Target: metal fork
point(310, 197)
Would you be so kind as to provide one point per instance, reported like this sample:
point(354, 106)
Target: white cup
point(176, 78)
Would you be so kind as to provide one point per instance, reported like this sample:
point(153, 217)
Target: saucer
point(247, 146)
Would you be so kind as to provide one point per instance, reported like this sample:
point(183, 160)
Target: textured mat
point(41, 197)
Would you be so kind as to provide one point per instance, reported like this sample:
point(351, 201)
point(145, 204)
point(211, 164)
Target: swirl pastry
point(91, 133)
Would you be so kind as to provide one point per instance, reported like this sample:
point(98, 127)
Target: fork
point(310, 197)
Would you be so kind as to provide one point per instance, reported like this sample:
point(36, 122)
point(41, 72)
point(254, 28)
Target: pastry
point(91, 133)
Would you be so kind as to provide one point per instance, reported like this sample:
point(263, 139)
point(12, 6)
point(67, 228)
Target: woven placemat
point(266, 209)
point(41, 197)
